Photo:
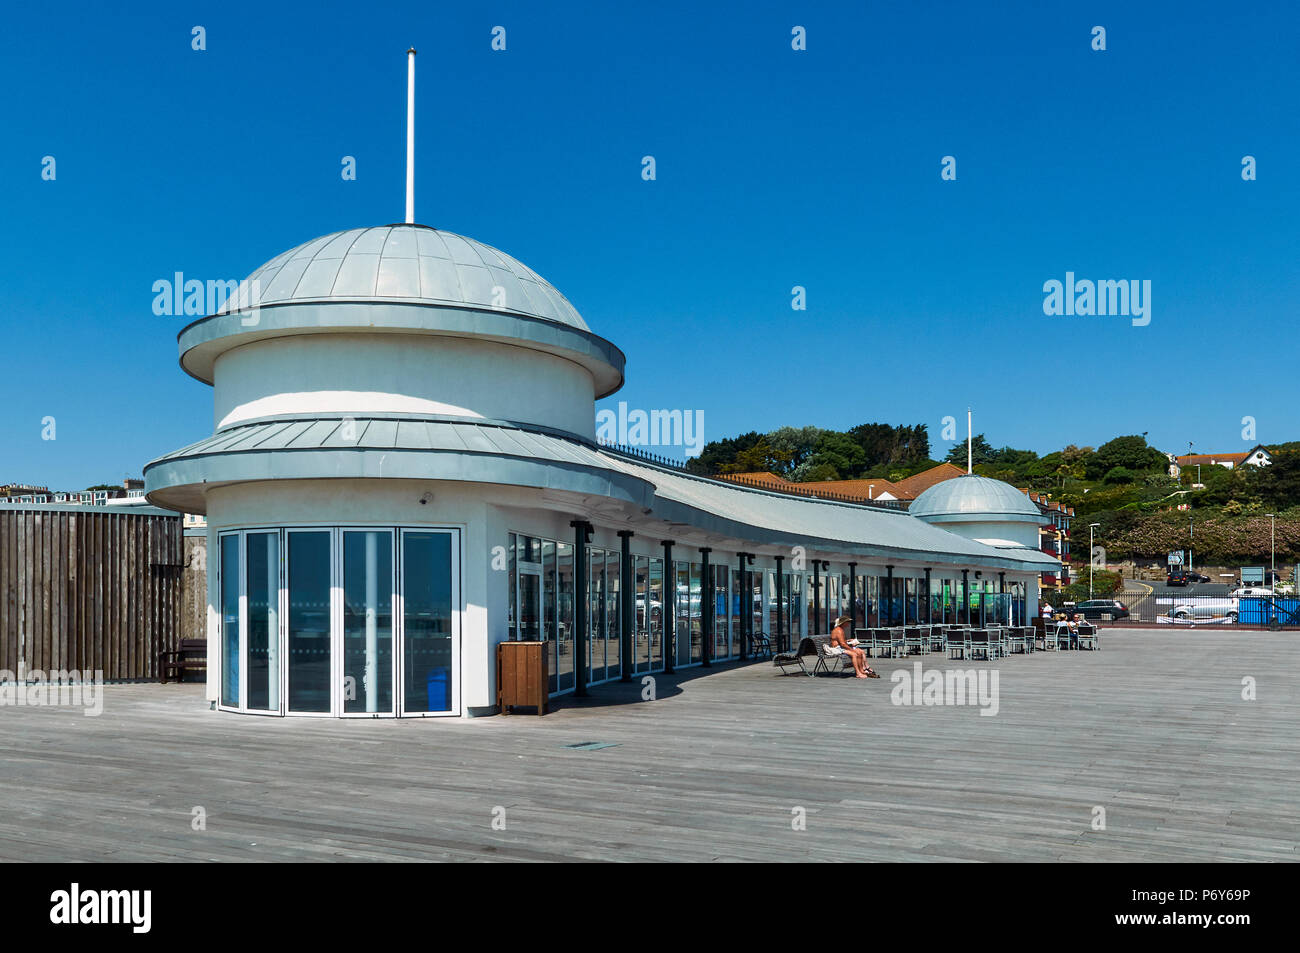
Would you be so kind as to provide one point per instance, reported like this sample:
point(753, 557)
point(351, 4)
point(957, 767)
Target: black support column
point(668, 611)
point(581, 585)
point(889, 587)
point(929, 602)
point(779, 634)
point(706, 607)
point(853, 597)
point(965, 593)
point(746, 599)
point(817, 594)
point(627, 607)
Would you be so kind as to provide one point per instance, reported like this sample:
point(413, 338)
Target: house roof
point(918, 483)
point(1204, 459)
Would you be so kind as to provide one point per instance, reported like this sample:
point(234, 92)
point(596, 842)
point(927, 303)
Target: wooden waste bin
point(522, 676)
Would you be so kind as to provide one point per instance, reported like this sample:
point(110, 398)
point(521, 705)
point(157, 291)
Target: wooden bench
point(192, 656)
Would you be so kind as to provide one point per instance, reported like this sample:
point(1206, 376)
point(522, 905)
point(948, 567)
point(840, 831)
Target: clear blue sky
point(775, 169)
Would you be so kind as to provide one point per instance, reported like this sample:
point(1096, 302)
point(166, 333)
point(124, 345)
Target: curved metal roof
point(970, 498)
point(502, 453)
point(412, 263)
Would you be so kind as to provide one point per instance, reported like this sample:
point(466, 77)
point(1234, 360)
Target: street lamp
point(1092, 559)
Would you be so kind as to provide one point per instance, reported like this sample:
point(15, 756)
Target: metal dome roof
point(408, 263)
point(970, 498)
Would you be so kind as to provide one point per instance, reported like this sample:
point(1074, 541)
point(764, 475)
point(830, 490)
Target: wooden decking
point(1153, 728)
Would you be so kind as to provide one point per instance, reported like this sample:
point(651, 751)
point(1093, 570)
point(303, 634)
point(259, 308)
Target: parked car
point(1251, 591)
point(1195, 576)
point(1206, 609)
point(1178, 578)
point(1094, 609)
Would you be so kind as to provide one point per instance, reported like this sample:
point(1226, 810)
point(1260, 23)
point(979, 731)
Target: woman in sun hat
point(840, 641)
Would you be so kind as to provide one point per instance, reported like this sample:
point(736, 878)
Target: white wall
point(402, 373)
point(1023, 533)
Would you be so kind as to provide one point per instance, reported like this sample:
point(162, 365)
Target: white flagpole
point(410, 136)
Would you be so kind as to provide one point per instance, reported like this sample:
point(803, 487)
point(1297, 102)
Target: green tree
point(981, 452)
point(1131, 452)
point(793, 446)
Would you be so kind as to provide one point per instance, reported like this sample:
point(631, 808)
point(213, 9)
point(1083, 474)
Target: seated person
point(839, 640)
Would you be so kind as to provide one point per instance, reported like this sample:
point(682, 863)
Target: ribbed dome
point(974, 498)
point(412, 263)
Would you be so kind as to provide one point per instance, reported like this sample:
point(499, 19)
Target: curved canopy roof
point(972, 499)
point(501, 452)
point(413, 263)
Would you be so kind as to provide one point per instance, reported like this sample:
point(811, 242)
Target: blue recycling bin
point(438, 689)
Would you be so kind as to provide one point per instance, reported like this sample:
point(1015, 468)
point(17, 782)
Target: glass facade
point(542, 589)
point(310, 626)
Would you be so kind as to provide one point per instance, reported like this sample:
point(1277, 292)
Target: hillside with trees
point(1124, 485)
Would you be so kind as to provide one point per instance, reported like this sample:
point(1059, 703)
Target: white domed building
point(983, 509)
point(403, 473)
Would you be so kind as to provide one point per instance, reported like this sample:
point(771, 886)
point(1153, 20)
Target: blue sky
point(775, 168)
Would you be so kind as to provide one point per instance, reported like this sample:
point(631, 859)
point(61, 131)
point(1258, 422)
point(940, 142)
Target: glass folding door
point(368, 656)
point(429, 650)
point(309, 649)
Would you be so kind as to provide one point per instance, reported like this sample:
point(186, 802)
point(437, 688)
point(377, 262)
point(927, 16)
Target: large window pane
point(309, 621)
point(656, 614)
point(230, 620)
point(263, 590)
point(641, 629)
point(697, 623)
point(367, 622)
point(721, 612)
point(596, 614)
point(613, 614)
point(549, 633)
point(427, 621)
point(564, 668)
point(682, 600)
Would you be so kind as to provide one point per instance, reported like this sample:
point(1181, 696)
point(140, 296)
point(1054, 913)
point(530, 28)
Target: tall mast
point(410, 136)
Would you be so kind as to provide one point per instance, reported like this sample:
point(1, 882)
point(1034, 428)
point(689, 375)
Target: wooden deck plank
point(1153, 728)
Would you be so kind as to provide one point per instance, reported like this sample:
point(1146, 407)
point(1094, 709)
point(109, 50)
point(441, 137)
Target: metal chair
point(1088, 637)
point(887, 640)
point(829, 660)
point(784, 660)
point(958, 639)
point(938, 639)
point(980, 641)
point(915, 638)
point(863, 636)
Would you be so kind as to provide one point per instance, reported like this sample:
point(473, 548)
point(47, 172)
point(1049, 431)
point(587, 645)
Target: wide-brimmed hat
point(842, 620)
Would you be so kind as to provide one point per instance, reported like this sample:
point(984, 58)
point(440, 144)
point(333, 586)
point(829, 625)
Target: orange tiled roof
point(1204, 459)
point(869, 489)
point(756, 476)
point(918, 483)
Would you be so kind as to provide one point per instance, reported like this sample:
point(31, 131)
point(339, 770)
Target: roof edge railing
point(807, 493)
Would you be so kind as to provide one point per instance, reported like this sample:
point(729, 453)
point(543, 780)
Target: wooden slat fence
point(91, 590)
